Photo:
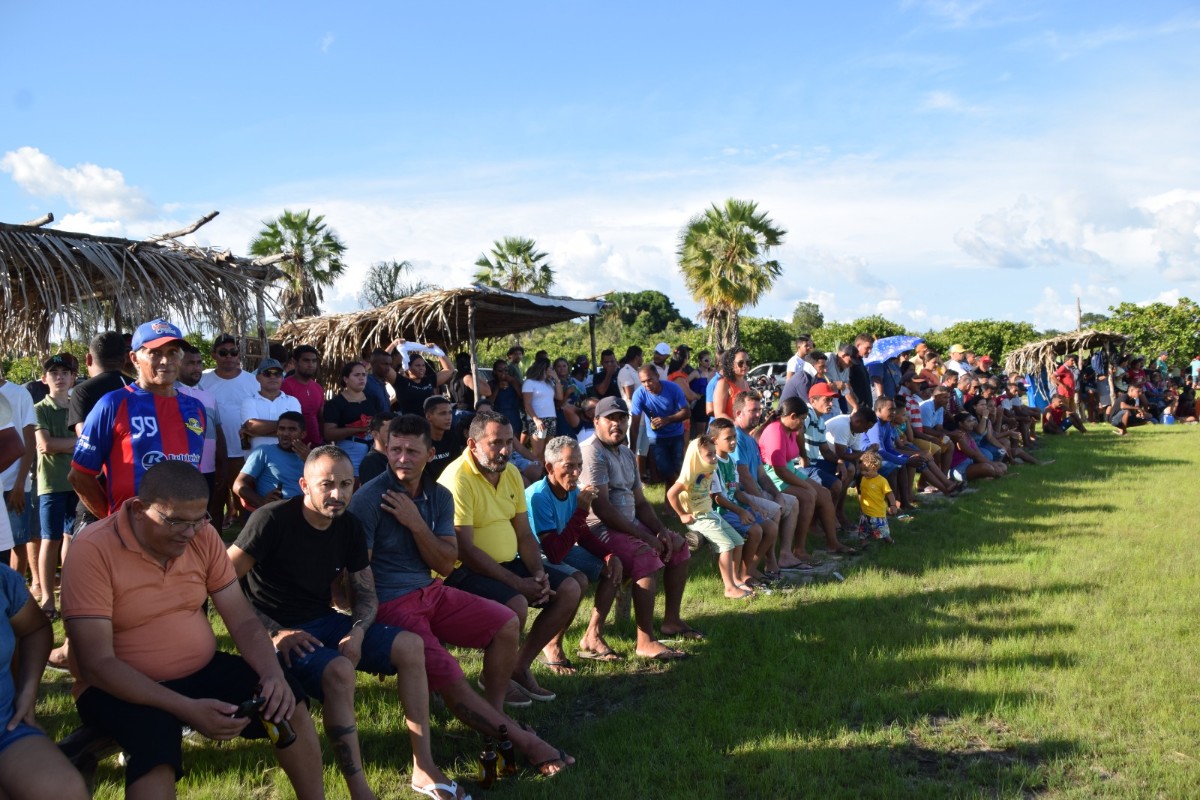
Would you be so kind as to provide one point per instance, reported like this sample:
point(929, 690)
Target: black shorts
point(150, 736)
point(466, 579)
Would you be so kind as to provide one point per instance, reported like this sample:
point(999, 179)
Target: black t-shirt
point(38, 390)
point(373, 463)
point(344, 414)
point(410, 395)
point(448, 448)
point(614, 390)
point(85, 396)
point(295, 563)
point(860, 383)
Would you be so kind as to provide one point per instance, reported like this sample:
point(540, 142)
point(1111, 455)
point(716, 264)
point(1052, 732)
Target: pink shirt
point(778, 445)
point(312, 399)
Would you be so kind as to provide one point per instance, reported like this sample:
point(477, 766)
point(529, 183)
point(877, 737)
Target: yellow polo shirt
point(488, 509)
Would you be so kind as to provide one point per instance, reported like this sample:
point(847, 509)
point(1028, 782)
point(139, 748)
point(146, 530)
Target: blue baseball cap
point(155, 333)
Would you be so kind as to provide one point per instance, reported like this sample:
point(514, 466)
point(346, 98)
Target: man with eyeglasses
point(230, 385)
point(134, 428)
point(144, 655)
point(260, 413)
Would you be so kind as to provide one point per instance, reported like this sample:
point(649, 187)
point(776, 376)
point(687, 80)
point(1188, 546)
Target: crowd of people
point(414, 510)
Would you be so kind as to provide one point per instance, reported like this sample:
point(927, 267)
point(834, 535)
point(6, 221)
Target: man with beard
point(408, 520)
point(624, 520)
point(212, 459)
point(288, 553)
point(272, 472)
point(304, 386)
point(499, 557)
point(229, 384)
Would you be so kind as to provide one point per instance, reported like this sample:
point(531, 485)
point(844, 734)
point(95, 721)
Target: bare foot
point(654, 649)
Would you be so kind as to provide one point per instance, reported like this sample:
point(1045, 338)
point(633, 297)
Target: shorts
point(26, 526)
point(466, 579)
point(521, 462)
point(736, 523)
point(16, 734)
point(820, 475)
point(549, 427)
point(438, 613)
point(150, 736)
point(959, 473)
point(874, 527)
point(642, 446)
point(887, 468)
point(769, 509)
point(638, 559)
point(991, 451)
point(580, 560)
point(716, 531)
point(56, 513)
point(376, 655)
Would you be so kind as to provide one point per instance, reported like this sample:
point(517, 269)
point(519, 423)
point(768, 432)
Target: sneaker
point(513, 698)
point(539, 694)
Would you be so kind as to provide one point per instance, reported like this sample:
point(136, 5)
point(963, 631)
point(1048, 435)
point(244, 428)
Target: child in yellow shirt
point(875, 499)
point(691, 498)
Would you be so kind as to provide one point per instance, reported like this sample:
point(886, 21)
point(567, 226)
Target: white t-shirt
point(961, 367)
point(837, 431)
point(6, 537)
point(21, 402)
point(628, 377)
point(541, 396)
point(259, 407)
point(794, 363)
point(229, 394)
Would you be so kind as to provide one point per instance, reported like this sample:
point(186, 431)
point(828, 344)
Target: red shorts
point(637, 558)
point(439, 614)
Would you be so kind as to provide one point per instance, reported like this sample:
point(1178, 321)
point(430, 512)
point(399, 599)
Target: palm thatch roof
point(449, 317)
point(1040, 359)
point(74, 281)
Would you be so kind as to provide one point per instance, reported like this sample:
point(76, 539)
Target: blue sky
point(931, 161)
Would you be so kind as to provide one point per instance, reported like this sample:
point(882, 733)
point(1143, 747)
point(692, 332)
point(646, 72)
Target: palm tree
point(314, 262)
point(385, 283)
point(723, 257)
point(515, 265)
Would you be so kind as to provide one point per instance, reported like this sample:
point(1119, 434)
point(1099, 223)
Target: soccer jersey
point(130, 430)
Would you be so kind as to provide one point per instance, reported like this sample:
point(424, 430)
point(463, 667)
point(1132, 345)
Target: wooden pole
point(261, 309)
point(473, 348)
point(207, 218)
point(592, 335)
point(45, 219)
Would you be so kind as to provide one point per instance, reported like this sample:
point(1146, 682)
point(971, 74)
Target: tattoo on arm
point(366, 602)
point(273, 627)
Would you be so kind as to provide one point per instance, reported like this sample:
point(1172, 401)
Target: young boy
point(759, 532)
point(56, 498)
point(690, 496)
point(875, 499)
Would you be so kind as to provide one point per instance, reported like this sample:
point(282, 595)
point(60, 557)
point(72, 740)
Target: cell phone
point(250, 707)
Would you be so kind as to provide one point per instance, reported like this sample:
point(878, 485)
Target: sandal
point(433, 789)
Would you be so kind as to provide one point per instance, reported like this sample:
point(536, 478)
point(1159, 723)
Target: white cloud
point(1030, 233)
point(1070, 45)
point(326, 42)
point(97, 192)
point(954, 13)
point(1053, 312)
point(1176, 234)
point(949, 102)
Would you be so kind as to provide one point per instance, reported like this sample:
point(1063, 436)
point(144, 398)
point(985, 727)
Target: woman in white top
point(541, 391)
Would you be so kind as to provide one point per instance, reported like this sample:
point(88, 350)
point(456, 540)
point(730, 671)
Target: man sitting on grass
point(1058, 419)
point(1128, 411)
point(286, 553)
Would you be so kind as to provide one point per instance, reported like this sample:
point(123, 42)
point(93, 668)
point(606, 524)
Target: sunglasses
point(227, 353)
point(740, 363)
point(272, 373)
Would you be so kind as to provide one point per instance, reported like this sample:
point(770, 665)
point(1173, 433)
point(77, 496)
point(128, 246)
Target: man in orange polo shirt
point(143, 654)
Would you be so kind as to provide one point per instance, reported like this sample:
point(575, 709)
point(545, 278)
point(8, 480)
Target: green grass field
point(1035, 639)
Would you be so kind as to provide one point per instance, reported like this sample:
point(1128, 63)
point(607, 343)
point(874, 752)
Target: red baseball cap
point(821, 390)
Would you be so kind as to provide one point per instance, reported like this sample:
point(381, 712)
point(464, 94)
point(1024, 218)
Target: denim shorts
point(376, 655)
point(467, 580)
point(26, 525)
point(56, 511)
point(579, 559)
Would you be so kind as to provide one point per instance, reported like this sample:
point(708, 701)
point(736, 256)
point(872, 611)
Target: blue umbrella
point(890, 347)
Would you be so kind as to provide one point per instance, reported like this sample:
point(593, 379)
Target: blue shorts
point(815, 473)
point(26, 526)
point(991, 451)
point(887, 468)
point(520, 461)
point(580, 560)
point(736, 523)
point(16, 734)
point(376, 655)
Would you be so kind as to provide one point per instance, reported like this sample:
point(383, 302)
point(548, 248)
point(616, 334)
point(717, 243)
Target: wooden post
point(261, 309)
point(473, 347)
point(592, 334)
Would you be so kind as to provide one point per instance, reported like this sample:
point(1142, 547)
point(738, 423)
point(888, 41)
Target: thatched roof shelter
point(1040, 359)
point(450, 317)
point(75, 281)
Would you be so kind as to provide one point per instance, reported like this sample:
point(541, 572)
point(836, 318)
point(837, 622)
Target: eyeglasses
point(741, 363)
point(227, 353)
point(182, 525)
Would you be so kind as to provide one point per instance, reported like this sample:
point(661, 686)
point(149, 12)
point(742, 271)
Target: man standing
point(885, 377)
point(288, 553)
point(958, 360)
point(273, 471)
point(408, 521)
point(499, 557)
point(662, 354)
point(261, 411)
point(144, 656)
point(604, 382)
point(624, 520)
point(379, 389)
point(447, 440)
point(132, 429)
point(515, 354)
point(230, 386)
point(304, 386)
point(837, 372)
point(799, 361)
point(212, 460)
point(1066, 382)
point(18, 482)
point(663, 406)
point(859, 378)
